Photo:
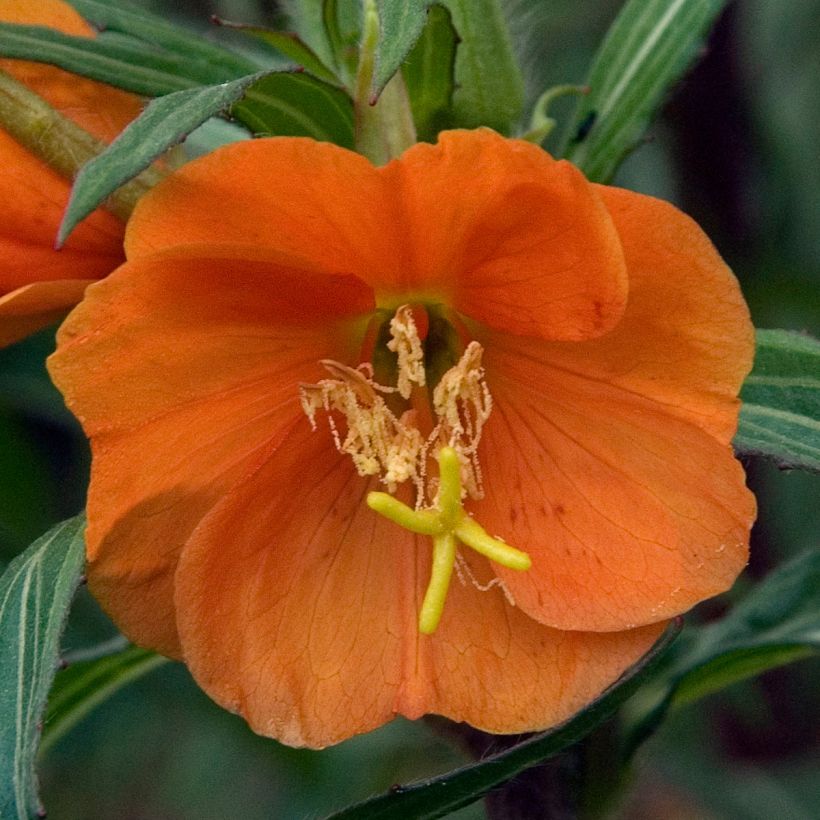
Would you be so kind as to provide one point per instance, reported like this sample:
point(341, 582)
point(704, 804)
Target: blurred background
point(736, 147)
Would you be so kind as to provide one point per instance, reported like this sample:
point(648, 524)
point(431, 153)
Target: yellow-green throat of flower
point(393, 431)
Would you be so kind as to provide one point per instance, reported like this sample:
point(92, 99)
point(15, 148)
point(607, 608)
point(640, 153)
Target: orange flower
point(223, 530)
point(38, 284)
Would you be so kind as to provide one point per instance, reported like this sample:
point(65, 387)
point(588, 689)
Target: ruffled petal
point(686, 339)
point(307, 623)
point(478, 222)
point(311, 199)
point(508, 236)
point(187, 365)
point(630, 514)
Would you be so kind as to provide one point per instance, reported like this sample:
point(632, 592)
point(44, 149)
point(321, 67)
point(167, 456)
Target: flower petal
point(308, 624)
point(168, 368)
point(34, 196)
point(37, 305)
point(686, 339)
point(502, 671)
point(51, 13)
point(310, 199)
point(305, 623)
point(478, 222)
point(508, 236)
point(630, 514)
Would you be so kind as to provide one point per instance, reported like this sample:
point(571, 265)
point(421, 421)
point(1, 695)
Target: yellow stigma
point(446, 524)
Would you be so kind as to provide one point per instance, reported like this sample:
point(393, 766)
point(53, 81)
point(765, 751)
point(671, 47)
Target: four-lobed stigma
point(447, 524)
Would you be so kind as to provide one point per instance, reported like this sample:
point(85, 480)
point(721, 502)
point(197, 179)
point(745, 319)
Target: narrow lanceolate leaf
point(83, 686)
point(778, 622)
point(297, 105)
point(288, 45)
point(489, 89)
point(648, 48)
point(155, 30)
point(133, 69)
point(442, 795)
point(165, 122)
point(780, 417)
point(35, 593)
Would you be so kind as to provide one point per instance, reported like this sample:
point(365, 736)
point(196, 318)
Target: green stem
point(541, 124)
point(60, 143)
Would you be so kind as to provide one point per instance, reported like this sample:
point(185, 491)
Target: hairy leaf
point(776, 623)
point(429, 74)
point(289, 45)
point(780, 417)
point(293, 104)
point(82, 686)
point(139, 70)
point(134, 21)
point(488, 83)
point(165, 122)
point(35, 594)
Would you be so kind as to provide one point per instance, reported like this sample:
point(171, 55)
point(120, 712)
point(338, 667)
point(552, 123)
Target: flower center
point(394, 430)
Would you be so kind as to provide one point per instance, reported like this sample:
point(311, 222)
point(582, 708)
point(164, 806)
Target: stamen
point(407, 346)
point(376, 441)
point(463, 405)
point(446, 523)
point(465, 574)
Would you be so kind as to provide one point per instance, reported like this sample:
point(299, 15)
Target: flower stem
point(59, 142)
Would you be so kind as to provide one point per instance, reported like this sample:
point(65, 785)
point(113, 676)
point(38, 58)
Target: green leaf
point(429, 74)
point(156, 30)
point(648, 48)
point(35, 594)
point(294, 104)
point(82, 686)
point(401, 23)
point(164, 123)
point(289, 45)
point(488, 86)
point(776, 623)
point(441, 795)
point(141, 71)
point(306, 18)
point(335, 38)
point(780, 417)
